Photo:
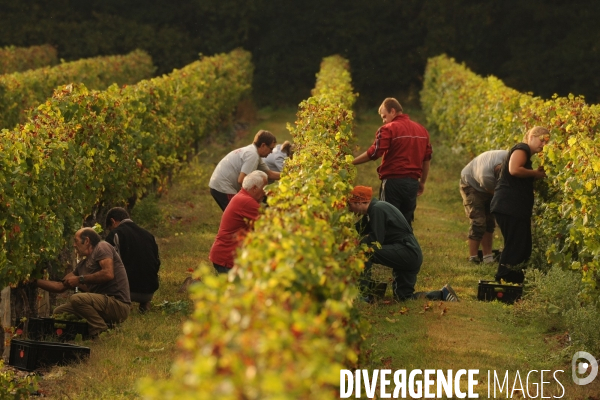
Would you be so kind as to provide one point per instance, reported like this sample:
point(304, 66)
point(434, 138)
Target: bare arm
point(516, 166)
point(241, 177)
point(106, 273)
point(424, 175)
point(52, 286)
point(363, 158)
point(273, 175)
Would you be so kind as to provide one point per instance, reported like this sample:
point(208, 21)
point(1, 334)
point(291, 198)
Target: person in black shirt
point(139, 252)
point(512, 204)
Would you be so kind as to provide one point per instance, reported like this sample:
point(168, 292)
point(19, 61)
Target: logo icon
point(579, 368)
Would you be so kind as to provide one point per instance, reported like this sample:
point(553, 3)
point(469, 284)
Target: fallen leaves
point(429, 307)
point(401, 311)
point(386, 362)
point(426, 307)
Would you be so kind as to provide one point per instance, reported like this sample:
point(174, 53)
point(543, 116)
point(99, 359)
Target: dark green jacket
point(385, 224)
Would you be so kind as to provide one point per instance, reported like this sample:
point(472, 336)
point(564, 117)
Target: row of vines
point(483, 114)
point(20, 91)
point(84, 149)
point(283, 324)
point(17, 59)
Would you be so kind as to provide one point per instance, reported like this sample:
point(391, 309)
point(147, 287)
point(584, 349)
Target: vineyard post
point(5, 316)
point(42, 304)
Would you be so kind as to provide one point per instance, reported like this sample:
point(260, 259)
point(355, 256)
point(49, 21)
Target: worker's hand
point(540, 173)
point(421, 189)
point(71, 282)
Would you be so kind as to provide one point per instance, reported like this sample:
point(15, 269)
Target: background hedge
point(16, 59)
point(20, 91)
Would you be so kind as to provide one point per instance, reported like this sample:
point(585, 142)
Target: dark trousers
point(221, 269)
point(517, 246)
point(402, 194)
point(141, 297)
point(404, 259)
point(222, 199)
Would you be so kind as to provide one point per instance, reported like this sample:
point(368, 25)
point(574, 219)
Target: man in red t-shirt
point(406, 152)
point(237, 220)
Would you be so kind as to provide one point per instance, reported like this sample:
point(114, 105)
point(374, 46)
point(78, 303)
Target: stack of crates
point(45, 344)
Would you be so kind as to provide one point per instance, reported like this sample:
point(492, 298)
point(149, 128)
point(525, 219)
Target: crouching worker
point(392, 244)
point(102, 281)
point(237, 220)
point(139, 252)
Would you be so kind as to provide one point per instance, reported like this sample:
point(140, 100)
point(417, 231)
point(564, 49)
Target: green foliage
point(147, 213)
point(23, 90)
point(16, 59)
point(483, 114)
point(583, 324)
point(13, 387)
point(548, 296)
point(84, 149)
point(553, 298)
point(285, 322)
point(172, 307)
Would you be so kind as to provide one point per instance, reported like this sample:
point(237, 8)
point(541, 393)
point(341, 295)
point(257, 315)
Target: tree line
point(537, 46)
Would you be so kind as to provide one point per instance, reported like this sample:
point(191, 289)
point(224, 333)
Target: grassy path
point(411, 335)
point(467, 335)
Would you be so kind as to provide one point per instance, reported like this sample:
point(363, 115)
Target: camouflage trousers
point(477, 209)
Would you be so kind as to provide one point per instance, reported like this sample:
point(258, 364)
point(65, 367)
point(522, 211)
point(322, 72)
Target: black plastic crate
point(40, 328)
point(492, 290)
point(30, 355)
point(54, 329)
point(68, 330)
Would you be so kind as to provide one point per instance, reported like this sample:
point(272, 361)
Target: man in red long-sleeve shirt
point(405, 150)
point(237, 220)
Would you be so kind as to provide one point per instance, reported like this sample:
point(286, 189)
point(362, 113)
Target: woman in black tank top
point(512, 204)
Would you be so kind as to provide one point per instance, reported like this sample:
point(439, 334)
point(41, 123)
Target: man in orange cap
point(392, 244)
